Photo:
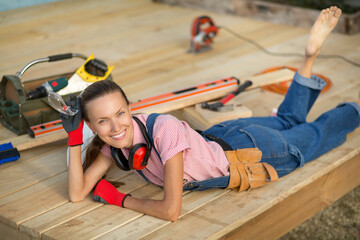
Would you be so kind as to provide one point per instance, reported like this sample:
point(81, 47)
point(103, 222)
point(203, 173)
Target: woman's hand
point(106, 193)
point(73, 125)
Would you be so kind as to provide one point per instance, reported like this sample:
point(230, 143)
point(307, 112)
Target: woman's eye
point(101, 121)
point(120, 113)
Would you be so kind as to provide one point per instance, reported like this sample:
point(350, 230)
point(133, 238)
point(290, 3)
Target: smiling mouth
point(119, 136)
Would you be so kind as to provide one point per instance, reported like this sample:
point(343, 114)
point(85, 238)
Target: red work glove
point(73, 125)
point(75, 137)
point(106, 193)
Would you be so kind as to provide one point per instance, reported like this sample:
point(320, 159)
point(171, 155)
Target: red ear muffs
point(139, 154)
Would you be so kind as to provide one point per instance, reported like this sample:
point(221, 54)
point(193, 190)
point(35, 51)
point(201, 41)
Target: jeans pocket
point(269, 141)
point(294, 151)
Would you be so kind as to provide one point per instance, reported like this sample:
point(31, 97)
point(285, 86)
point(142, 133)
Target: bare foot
point(324, 24)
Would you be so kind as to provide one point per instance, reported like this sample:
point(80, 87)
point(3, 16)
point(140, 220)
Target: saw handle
point(58, 57)
point(52, 58)
point(240, 89)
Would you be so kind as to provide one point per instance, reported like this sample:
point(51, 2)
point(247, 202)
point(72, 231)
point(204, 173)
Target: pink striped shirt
point(202, 160)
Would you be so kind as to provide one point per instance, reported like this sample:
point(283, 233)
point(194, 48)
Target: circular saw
point(203, 31)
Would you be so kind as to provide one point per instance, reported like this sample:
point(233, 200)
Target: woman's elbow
point(173, 213)
point(76, 198)
point(174, 217)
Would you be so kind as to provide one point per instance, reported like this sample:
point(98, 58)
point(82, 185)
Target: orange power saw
point(203, 31)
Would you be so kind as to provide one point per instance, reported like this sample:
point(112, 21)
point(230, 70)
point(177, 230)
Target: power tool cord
point(284, 54)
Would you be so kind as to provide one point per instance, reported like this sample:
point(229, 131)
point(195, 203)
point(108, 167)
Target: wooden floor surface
point(147, 44)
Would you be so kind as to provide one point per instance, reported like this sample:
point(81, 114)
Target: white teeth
point(119, 135)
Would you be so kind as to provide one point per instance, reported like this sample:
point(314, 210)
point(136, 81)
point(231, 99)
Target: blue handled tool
point(8, 153)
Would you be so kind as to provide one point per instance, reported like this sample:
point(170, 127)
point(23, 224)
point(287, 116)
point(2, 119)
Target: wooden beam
point(301, 205)
point(24, 142)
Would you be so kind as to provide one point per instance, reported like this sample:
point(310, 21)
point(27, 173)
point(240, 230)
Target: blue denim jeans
point(287, 141)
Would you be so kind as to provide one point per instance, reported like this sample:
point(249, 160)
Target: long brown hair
point(92, 92)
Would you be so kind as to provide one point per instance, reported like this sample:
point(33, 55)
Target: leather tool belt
point(246, 170)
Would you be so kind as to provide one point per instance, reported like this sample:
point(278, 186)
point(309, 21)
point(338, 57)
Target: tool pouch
point(246, 170)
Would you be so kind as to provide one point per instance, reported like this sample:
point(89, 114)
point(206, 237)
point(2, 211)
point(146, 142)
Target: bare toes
point(337, 13)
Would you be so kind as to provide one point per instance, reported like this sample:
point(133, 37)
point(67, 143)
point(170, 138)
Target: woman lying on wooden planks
point(240, 154)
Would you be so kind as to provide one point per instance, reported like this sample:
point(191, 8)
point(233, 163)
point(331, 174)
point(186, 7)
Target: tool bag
point(246, 170)
point(16, 112)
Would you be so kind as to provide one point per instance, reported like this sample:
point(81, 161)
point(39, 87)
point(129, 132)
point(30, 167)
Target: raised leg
point(324, 24)
point(305, 88)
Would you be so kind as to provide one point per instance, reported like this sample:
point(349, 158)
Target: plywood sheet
point(147, 43)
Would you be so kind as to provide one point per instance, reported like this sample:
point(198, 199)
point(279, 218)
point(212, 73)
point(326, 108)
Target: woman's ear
point(90, 126)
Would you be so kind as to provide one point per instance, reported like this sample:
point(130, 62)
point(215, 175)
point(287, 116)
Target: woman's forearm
point(81, 183)
point(75, 175)
point(170, 207)
point(163, 209)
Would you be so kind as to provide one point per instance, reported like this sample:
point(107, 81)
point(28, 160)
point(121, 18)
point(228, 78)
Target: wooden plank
point(147, 224)
point(192, 117)
point(36, 226)
point(24, 142)
point(31, 172)
point(50, 10)
point(34, 200)
point(101, 220)
point(29, 155)
point(79, 21)
point(197, 121)
point(151, 59)
point(75, 19)
point(206, 67)
point(267, 78)
point(11, 233)
point(169, 67)
point(213, 117)
point(301, 205)
point(65, 213)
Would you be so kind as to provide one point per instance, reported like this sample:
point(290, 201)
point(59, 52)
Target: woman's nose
point(115, 126)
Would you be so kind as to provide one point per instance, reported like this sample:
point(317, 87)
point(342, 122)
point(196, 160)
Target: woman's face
point(110, 117)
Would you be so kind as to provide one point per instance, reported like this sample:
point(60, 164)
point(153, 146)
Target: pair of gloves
point(104, 191)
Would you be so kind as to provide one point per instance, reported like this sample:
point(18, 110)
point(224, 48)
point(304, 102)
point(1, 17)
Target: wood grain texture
point(147, 44)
